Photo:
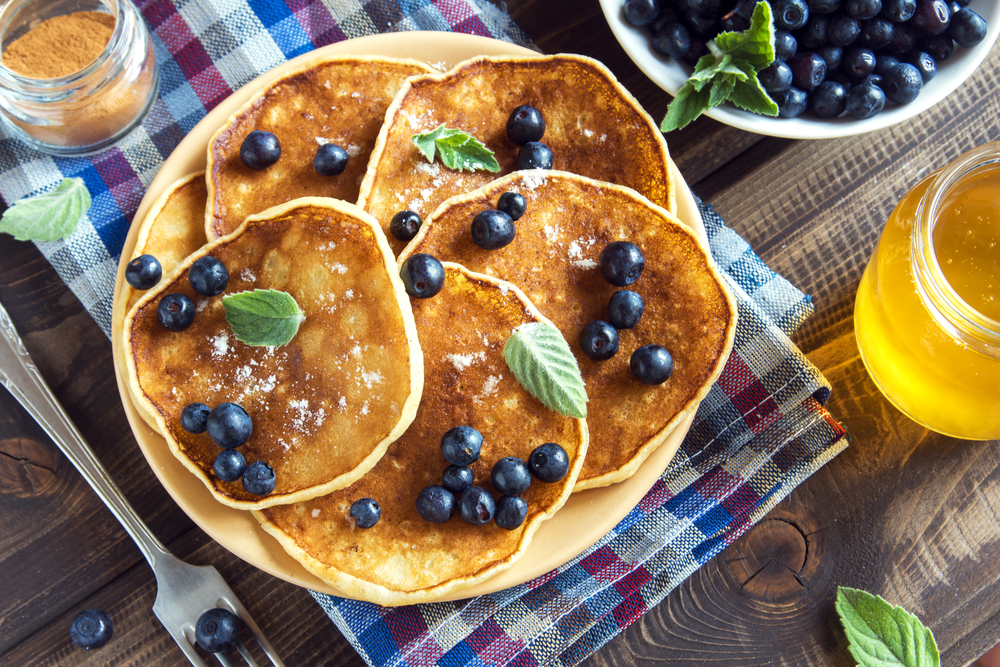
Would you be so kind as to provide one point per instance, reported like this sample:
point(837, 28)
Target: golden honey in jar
point(927, 315)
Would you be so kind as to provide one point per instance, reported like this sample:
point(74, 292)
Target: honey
point(927, 315)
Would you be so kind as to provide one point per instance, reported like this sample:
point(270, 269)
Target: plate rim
point(192, 152)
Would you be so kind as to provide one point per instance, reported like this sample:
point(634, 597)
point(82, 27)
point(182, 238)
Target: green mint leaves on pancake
point(49, 216)
point(728, 72)
point(263, 317)
point(540, 359)
point(457, 149)
point(881, 634)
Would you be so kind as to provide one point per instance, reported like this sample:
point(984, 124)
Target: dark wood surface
point(903, 512)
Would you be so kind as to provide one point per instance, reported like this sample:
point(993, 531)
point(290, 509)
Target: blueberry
point(259, 479)
point(875, 80)
point(791, 102)
point(700, 24)
point(924, 62)
point(967, 28)
point(823, 6)
point(843, 30)
point(673, 40)
point(260, 150)
point(492, 229)
point(903, 83)
point(625, 309)
point(621, 263)
point(435, 504)
point(939, 46)
point(706, 7)
point(898, 11)
point(229, 425)
point(175, 312)
point(698, 49)
point(143, 272)
point(194, 417)
point(510, 512)
point(91, 629)
point(330, 160)
point(229, 465)
point(513, 204)
point(640, 12)
point(366, 512)
point(476, 506)
point(864, 9)
point(830, 99)
point(859, 63)
point(808, 70)
point(865, 100)
point(789, 14)
point(208, 276)
point(599, 340)
point(422, 275)
point(832, 56)
point(525, 124)
point(456, 478)
point(534, 155)
point(932, 17)
point(510, 476)
point(903, 40)
point(548, 463)
point(785, 45)
point(877, 33)
point(884, 63)
point(405, 225)
point(652, 364)
point(217, 630)
point(461, 445)
point(775, 77)
point(666, 15)
point(733, 22)
point(813, 35)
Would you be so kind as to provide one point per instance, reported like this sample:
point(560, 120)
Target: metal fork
point(183, 591)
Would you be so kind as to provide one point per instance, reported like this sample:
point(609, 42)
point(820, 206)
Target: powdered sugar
point(463, 361)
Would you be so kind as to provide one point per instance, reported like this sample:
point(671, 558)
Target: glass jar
point(89, 110)
point(927, 310)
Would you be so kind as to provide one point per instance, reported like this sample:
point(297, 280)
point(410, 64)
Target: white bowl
point(670, 75)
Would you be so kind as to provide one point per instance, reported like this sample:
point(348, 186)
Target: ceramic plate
point(585, 518)
point(670, 75)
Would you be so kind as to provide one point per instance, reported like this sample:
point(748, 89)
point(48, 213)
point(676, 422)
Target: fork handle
point(21, 377)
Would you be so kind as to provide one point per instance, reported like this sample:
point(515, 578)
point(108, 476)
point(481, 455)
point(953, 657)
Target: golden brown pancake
point(338, 99)
point(325, 406)
point(553, 258)
point(404, 559)
point(592, 124)
point(173, 229)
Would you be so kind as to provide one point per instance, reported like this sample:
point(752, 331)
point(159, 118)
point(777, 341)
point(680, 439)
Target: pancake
point(553, 258)
point(325, 406)
point(173, 229)
point(404, 559)
point(592, 124)
point(339, 99)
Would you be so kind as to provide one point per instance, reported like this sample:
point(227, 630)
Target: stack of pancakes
point(356, 404)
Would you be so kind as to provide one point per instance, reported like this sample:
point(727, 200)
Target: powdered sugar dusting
point(463, 361)
point(533, 178)
point(220, 345)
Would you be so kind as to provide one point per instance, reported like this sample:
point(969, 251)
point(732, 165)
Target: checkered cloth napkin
point(758, 434)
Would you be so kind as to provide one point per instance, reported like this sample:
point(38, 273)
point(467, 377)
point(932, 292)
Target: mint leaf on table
point(728, 72)
point(881, 634)
point(457, 149)
point(263, 317)
point(49, 216)
point(540, 359)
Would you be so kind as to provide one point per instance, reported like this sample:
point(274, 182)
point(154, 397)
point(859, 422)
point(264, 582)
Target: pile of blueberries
point(621, 264)
point(510, 477)
point(229, 426)
point(831, 56)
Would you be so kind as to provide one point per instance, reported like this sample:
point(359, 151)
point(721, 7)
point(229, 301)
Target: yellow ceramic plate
point(585, 518)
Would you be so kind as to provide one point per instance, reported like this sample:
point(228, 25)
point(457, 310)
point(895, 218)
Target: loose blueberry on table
point(143, 272)
point(208, 276)
point(330, 160)
point(91, 628)
point(365, 512)
point(217, 630)
point(260, 150)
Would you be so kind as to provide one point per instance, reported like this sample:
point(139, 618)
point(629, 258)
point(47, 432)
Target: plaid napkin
point(759, 433)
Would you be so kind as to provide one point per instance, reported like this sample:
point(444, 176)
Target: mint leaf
point(540, 359)
point(457, 149)
point(688, 105)
point(49, 216)
point(755, 45)
point(750, 95)
point(881, 634)
point(263, 317)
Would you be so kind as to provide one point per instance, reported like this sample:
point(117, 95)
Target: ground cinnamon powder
point(60, 45)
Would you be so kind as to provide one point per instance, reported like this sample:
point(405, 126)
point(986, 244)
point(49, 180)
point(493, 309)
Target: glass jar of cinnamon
point(76, 76)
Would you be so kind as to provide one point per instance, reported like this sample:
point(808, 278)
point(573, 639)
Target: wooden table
point(903, 512)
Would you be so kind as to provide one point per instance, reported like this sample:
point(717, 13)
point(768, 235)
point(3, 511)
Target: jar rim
point(72, 79)
point(937, 293)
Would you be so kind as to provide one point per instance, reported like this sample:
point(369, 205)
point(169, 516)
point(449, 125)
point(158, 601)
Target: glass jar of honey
point(927, 315)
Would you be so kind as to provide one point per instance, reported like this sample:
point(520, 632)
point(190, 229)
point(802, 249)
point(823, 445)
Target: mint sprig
point(263, 317)
point(540, 359)
point(49, 216)
point(882, 634)
point(728, 72)
point(457, 149)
